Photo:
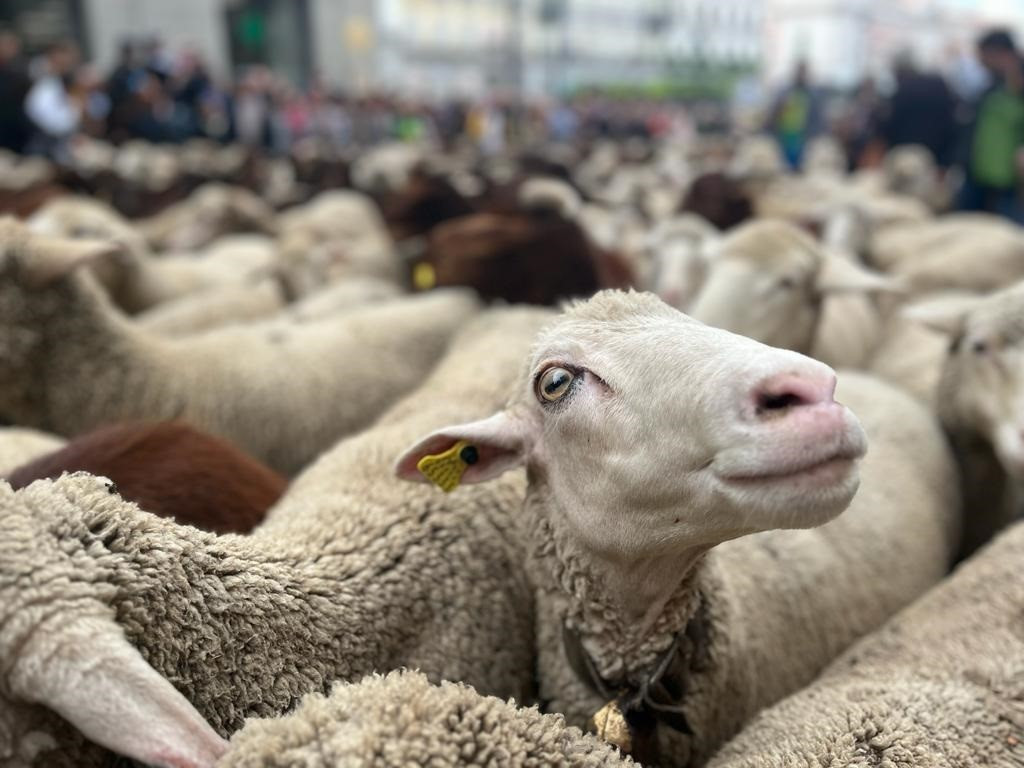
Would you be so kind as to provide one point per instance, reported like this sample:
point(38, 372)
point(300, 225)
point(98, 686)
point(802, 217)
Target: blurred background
point(268, 74)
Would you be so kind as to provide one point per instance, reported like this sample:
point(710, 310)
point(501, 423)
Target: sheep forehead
point(617, 328)
point(1002, 315)
point(771, 244)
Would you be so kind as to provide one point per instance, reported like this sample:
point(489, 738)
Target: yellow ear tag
point(445, 469)
point(423, 276)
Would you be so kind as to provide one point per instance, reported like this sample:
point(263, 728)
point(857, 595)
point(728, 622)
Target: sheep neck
point(626, 613)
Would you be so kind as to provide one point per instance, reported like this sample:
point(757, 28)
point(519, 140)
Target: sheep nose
point(782, 393)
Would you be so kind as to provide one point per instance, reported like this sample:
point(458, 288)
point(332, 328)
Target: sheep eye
point(787, 283)
point(553, 384)
point(979, 347)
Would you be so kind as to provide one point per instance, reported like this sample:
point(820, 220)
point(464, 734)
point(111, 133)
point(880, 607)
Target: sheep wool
point(352, 572)
point(284, 393)
point(18, 446)
point(401, 719)
point(940, 686)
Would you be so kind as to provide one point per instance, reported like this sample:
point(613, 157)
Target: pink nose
point(786, 391)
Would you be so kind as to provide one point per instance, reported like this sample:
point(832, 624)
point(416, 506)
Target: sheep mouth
point(831, 469)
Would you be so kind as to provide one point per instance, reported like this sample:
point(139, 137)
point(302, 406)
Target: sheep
point(351, 572)
point(135, 279)
point(718, 199)
point(939, 686)
point(401, 720)
point(265, 300)
point(773, 282)
point(169, 469)
point(980, 400)
point(214, 308)
point(284, 393)
point(648, 439)
point(969, 252)
point(679, 247)
point(338, 235)
point(211, 211)
point(536, 255)
point(19, 445)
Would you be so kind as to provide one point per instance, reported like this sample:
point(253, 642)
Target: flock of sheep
point(667, 542)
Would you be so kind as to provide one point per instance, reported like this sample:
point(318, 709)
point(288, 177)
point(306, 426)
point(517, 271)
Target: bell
point(610, 725)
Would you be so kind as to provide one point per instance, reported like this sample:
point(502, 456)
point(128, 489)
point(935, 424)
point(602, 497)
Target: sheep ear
point(86, 671)
point(945, 314)
point(467, 453)
point(51, 259)
point(843, 275)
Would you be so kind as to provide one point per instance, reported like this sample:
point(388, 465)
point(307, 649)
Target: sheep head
point(768, 279)
point(649, 435)
point(981, 389)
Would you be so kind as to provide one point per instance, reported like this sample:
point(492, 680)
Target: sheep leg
point(88, 672)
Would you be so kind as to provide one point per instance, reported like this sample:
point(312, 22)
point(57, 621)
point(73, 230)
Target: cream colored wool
point(261, 301)
point(939, 686)
point(970, 252)
point(19, 446)
point(353, 571)
point(211, 211)
point(134, 277)
point(779, 605)
point(403, 720)
point(214, 308)
point(283, 393)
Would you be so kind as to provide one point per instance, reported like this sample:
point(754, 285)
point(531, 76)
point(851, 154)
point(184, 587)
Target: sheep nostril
point(783, 393)
point(779, 402)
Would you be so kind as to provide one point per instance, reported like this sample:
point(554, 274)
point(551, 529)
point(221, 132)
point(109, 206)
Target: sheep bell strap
point(633, 713)
point(445, 470)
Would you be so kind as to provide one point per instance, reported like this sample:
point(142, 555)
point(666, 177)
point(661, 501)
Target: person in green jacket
point(994, 166)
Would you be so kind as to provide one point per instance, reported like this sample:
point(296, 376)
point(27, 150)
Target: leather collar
point(659, 699)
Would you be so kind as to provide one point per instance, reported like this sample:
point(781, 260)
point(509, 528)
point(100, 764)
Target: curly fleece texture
point(354, 571)
point(940, 686)
point(404, 720)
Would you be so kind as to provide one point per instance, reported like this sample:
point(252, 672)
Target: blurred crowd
point(973, 126)
point(159, 95)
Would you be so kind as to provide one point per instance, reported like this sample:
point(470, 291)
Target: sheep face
point(651, 434)
point(981, 390)
point(768, 280)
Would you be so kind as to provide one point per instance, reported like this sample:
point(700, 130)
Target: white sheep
point(651, 441)
point(211, 211)
point(773, 282)
point(980, 400)
point(351, 572)
point(134, 277)
point(969, 252)
point(939, 686)
point(283, 393)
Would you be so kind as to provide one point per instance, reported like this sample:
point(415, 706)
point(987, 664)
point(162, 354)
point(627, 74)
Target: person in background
point(54, 109)
point(920, 111)
point(15, 128)
point(796, 116)
point(994, 166)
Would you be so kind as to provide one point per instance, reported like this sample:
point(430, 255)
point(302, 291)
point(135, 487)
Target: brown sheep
point(170, 469)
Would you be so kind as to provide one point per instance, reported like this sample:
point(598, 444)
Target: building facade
point(437, 48)
point(844, 41)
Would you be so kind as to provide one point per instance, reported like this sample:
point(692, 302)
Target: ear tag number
point(445, 469)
